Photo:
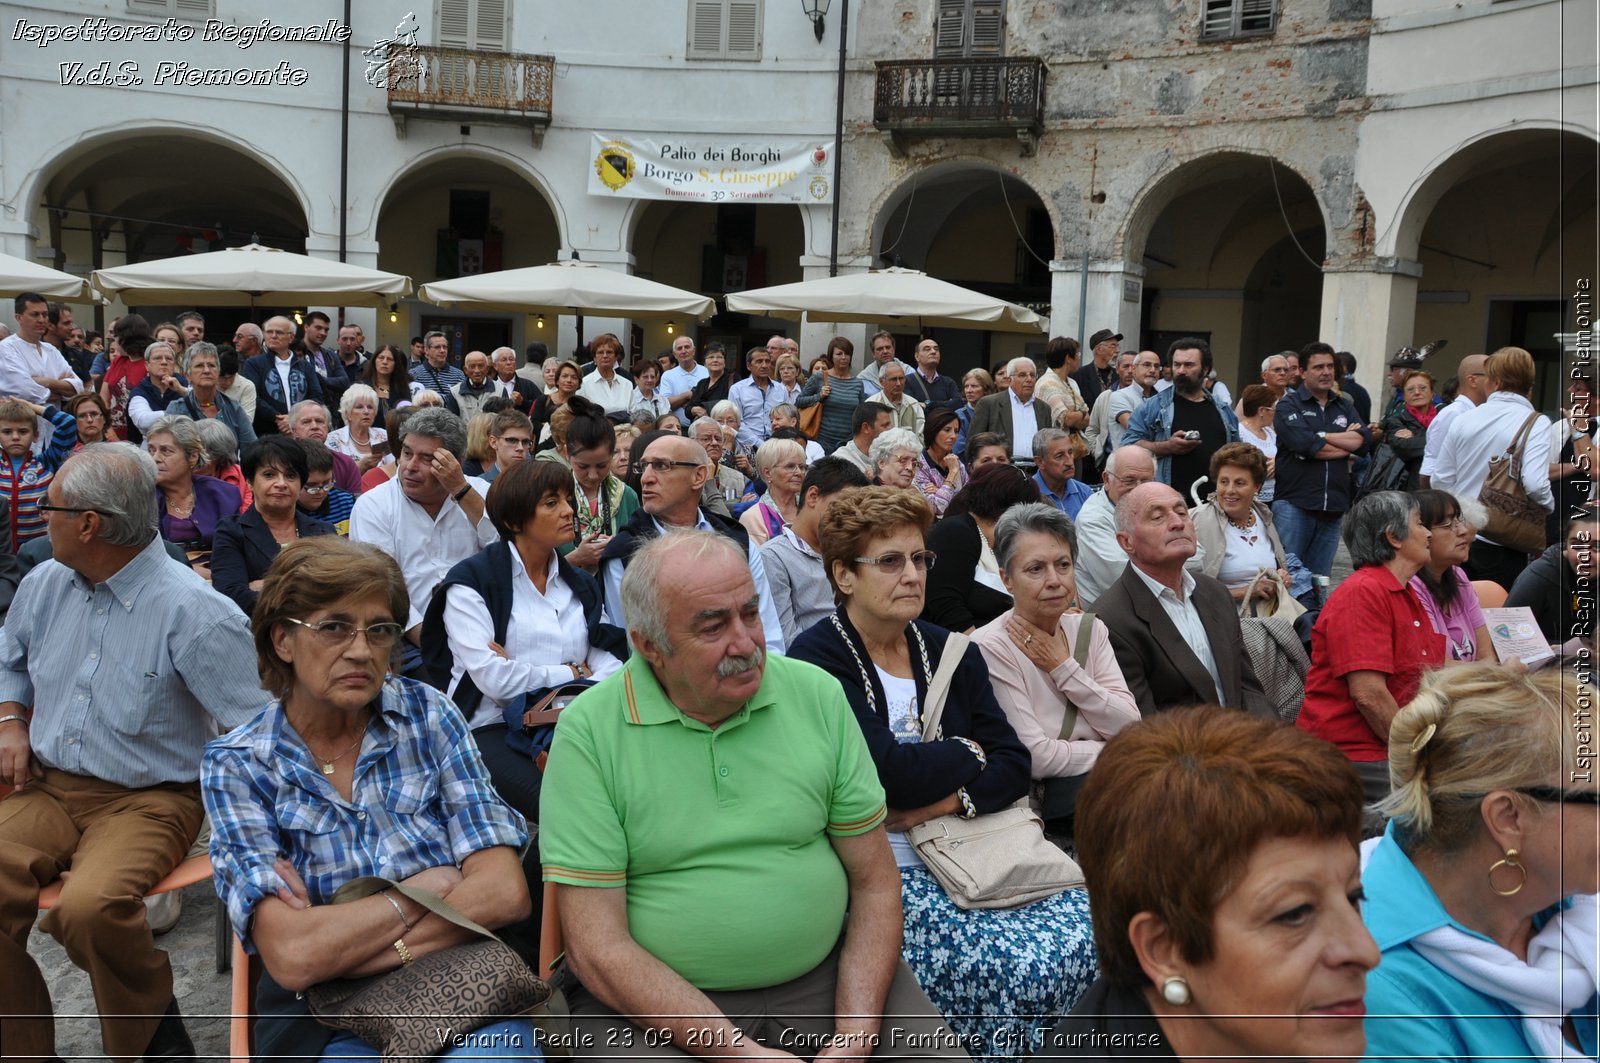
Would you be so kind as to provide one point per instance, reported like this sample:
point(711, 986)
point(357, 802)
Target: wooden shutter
point(193, 8)
point(950, 33)
point(1238, 18)
point(184, 9)
point(725, 29)
point(988, 28)
point(744, 29)
point(1255, 16)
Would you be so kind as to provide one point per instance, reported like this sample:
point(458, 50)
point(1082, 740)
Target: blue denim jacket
point(1152, 420)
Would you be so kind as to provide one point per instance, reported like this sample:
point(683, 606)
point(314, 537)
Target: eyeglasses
point(317, 489)
point(790, 466)
point(1453, 524)
point(895, 563)
point(1129, 482)
point(1558, 795)
point(660, 466)
point(337, 634)
point(46, 508)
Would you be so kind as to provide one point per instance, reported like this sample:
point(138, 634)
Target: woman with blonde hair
point(1481, 891)
point(479, 456)
point(781, 465)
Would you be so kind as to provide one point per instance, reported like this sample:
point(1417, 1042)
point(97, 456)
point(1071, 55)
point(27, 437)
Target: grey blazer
point(993, 414)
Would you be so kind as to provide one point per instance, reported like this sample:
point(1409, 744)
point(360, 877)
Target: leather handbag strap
point(955, 648)
point(1519, 442)
point(1080, 653)
point(366, 886)
point(542, 713)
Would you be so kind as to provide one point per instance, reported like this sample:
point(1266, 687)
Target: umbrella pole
point(580, 331)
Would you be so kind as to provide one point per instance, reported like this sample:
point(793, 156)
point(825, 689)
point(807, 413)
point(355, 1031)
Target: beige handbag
point(1283, 604)
point(1516, 522)
point(997, 860)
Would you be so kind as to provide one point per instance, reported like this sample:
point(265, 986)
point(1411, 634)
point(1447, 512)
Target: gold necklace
point(329, 762)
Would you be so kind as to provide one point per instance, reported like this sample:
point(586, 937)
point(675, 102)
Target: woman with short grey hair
point(1373, 640)
point(206, 401)
point(1053, 668)
point(190, 504)
point(893, 455)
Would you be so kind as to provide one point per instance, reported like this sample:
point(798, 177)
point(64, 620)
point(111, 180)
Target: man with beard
point(1184, 425)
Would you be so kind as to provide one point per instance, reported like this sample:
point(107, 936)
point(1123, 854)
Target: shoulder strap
point(359, 888)
point(1080, 654)
point(955, 648)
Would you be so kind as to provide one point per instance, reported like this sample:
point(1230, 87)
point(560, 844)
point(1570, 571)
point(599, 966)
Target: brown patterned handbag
point(1516, 522)
point(419, 1010)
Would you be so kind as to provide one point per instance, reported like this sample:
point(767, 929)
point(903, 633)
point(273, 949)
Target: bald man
point(1472, 377)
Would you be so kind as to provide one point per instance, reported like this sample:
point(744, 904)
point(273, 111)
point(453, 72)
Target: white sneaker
point(163, 910)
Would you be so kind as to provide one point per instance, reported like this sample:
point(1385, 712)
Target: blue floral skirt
point(1000, 976)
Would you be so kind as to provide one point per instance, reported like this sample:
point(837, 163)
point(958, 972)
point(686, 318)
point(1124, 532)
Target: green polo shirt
point(720, 837)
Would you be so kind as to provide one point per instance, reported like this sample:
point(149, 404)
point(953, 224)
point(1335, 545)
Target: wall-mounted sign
point(712, 169)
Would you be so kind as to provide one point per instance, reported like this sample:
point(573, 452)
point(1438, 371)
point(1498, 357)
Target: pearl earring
point(1175, 991)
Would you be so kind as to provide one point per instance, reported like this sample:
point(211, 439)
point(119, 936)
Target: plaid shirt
point(421, 799)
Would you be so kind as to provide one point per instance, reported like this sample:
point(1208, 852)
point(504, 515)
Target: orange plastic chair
point(241, 1026)
point(1490, 594)
point(192, 870)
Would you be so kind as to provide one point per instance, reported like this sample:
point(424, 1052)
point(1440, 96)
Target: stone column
point(1115, 293)
point(1369, 309)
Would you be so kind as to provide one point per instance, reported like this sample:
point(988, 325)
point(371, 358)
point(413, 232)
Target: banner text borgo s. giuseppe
point(713, 169)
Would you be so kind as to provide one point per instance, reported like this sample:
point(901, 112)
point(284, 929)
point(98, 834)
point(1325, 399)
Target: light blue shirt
point(126, 677)
point(771, 625)
point(677, 380)
point(755, 408)
point(1416, 1010)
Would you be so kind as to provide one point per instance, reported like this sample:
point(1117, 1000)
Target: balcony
point(967, 97)
point(460, 85)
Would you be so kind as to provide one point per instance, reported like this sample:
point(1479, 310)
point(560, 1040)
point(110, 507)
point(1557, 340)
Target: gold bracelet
point(406, 959)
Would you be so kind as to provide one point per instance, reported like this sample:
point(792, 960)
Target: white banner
point(705, 169)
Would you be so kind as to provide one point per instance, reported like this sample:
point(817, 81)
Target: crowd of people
point(741, 649)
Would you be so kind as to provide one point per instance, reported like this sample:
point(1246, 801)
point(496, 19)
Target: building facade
point(1259, 172)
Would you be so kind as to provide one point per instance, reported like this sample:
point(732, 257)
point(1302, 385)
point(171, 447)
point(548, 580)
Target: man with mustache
point(673, 471)
point(714, 827)
point(1176, 633)
point(1184, 425)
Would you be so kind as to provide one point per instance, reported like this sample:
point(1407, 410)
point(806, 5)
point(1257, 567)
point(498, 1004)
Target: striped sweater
point(24, 481)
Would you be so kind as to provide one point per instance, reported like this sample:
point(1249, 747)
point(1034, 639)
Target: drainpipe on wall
point(344, 138)
point(838, 140)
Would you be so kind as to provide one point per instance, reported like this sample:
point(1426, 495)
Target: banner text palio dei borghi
point(713, 169)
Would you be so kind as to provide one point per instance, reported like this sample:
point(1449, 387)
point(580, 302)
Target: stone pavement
point(203, 994)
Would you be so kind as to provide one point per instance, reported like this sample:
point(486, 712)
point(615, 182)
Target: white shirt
point(1100, 559)
point(21, 361)
point(1244, 559)
point(1123, 401)
point(1186, 618)
point(1268, 445)
point(853, 454)
point(772, 627)
point(1434, 445)
point(1024, 423)
point(546, 631)
point(507, 388)
point(282, 366)
point(900, 698)
point(424, 547)
point(615, 395)
point(339, 440)
point(1486, 432)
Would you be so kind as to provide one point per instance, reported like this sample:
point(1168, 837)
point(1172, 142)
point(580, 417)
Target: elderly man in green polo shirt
point(714, 826)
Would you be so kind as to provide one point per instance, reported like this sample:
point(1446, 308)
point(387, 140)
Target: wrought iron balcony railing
point(1000, 96)
point(465, 85)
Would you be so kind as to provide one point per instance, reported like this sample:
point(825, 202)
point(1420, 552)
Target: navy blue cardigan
point(914, 775)
point(489, 573)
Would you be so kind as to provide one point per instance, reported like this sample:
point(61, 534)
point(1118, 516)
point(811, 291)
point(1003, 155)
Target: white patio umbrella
point(568, 287)
point(891, 296)
point(18, 275)
point(251, 275)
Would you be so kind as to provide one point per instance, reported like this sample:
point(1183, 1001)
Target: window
point(970, 29)
point(182, 9)
point(1226, 19)
point(474, 26)
point(724, 29)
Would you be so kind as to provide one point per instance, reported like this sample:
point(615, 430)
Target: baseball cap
point(1104, 334)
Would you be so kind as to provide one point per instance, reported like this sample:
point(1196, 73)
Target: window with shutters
point(182, 9)
point(473, 26)
point(724, 29)
point(1228, 19)
point(969, 29)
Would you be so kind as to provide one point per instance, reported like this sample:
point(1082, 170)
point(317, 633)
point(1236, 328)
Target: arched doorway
point(1233, 246)
point(150, 194)
point(1504, 228)
point(459, 214)
point(714, 249)
point(978, 226)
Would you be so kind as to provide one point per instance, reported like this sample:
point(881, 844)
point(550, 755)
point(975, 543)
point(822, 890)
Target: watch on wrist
point(459, 495)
